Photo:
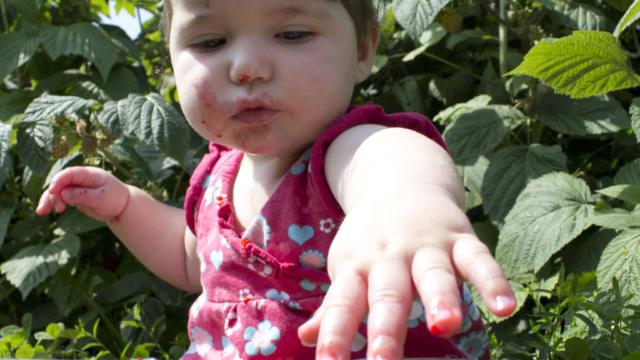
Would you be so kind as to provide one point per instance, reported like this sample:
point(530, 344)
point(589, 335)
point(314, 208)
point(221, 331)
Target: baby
point(300, 190)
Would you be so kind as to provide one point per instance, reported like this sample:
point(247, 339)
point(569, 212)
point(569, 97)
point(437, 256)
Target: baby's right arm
point(154, 232)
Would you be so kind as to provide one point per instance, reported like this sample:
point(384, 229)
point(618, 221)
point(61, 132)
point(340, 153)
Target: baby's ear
point(367, 53)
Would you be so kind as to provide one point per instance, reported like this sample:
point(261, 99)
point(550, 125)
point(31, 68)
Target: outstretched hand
point(404, 255)
point(93, 191)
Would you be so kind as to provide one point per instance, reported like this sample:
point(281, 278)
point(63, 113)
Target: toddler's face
point(264, 76)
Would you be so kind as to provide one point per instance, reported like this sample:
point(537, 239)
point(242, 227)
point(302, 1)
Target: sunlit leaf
point(35, 145)
point(16, 48)
point(634, 112)
point(581, 65)
point(5, 158)
point(577, 15)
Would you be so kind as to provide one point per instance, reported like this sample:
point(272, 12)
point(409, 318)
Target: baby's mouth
point(257, 116)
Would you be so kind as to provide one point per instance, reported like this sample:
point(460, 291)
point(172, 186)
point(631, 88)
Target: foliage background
point(544, 132)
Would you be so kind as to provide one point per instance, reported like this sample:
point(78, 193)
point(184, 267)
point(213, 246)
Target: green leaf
point(451, 113)
point(576, 15)
point(49, 106)
point(75, 222)
point(511, 169)
point(581, 65)
point(629, 17)
point(415, 16)
point(121, 82)
point(34, 146)
point(30, 9)
point(81, 39)
point(472, 177)
point(16, 48)
point(5, 158)
point(478, 131)
point(109, 117)
point(34, 264)
point(615, 220)
point(551, 211)
point(626, 192)
point(593, 116)
point(157, 123)
point(621, 259)
point(434, 33)
point(629, 173)
point(634, 112)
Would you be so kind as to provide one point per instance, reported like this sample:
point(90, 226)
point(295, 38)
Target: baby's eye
point(209, 44)
point(294, 36)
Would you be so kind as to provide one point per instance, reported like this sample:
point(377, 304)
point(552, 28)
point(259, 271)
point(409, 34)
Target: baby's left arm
point(405, 231)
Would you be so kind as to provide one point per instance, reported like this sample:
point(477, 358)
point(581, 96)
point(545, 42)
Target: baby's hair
point(362, 12)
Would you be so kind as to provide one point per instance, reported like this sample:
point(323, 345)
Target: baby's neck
point(257, 179)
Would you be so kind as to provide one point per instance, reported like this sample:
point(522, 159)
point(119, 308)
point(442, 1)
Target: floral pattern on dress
point(475, 344)
point(201, 342)
point(261, 340)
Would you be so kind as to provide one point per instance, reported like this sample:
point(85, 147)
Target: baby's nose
point(250, 63)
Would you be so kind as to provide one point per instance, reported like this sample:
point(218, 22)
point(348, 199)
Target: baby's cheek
point(203, 110)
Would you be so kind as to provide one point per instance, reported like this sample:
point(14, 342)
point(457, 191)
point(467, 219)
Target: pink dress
point(259, 286)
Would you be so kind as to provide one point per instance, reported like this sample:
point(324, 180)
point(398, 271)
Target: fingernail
point(504, 302)
point(307, 344)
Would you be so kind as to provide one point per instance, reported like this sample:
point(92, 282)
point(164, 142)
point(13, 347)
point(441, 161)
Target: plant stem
point(5, 19)
point(502, 35)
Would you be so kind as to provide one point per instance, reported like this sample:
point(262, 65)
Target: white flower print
point(326, 225)
point(475, 344)
point(261, 340)
point(201, 341)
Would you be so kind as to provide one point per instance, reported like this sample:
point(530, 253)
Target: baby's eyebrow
point(295, 10)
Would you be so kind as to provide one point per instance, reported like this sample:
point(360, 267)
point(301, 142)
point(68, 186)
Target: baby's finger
point(82, 196)
point(344, 307)
point(45, 204)
point(76, 176)
point(389, 299)
point(475, 263)
point(308, 332)
point(437, 285)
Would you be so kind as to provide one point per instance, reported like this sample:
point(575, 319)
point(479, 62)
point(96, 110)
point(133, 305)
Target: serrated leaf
point(75, 222)
point(34, 264)
point(152, 120)
point(16, 48)
point(109, 117)
point(477, 132)
point(34, 146)
point(581, 65)
point(629, 173)
point(583, 117)
point(621, 259)
point(415, 16)
point(634, 112)
point(510, 170)
point(625, 192)
point(83, 39)
point(6, 164)
point(30, 9)
point(630, 16)
point(549, 213)
point(48, 106)
point(615, 220)
point(577, 15)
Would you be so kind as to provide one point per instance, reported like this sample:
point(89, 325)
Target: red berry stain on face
point(207, 99)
